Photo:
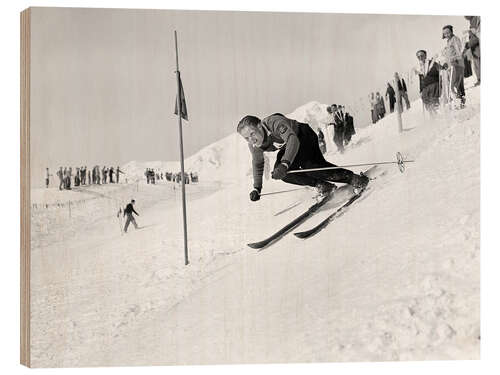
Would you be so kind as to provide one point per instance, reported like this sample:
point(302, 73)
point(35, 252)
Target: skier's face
point(253, 135)
point(447, 34)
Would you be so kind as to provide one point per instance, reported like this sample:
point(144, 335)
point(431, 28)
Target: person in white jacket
point(454, 62)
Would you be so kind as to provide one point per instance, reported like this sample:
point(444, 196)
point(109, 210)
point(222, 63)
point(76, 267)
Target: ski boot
point(324, 189)
point(359, 182)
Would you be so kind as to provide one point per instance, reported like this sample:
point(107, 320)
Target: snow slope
point(395, 278)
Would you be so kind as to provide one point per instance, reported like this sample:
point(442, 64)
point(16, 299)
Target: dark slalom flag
point(184, 113)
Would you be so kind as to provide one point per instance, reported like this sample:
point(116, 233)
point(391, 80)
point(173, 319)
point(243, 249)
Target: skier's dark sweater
point(129, 209)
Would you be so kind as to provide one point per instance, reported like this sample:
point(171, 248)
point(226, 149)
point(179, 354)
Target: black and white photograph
point(214, 187)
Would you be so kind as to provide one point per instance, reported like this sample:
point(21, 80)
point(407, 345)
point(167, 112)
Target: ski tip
point(254, 245)
point(300, 235)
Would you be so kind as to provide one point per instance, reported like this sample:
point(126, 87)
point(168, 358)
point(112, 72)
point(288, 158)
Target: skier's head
point(132, 201)
point(421, 55)
point(250, 128)
point(447, 32)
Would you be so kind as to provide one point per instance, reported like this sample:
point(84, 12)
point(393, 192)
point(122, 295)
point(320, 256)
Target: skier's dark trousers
point(310, 156)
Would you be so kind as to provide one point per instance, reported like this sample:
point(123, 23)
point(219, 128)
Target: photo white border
point(490, 314)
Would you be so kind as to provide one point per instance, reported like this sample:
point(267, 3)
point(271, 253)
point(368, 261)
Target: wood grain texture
point(25, 187)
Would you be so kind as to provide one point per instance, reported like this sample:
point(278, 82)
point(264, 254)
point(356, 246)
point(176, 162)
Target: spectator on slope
point(129, 211)
point(299, 150)
point(379, 106)
point(83, 174)
point(111, 173)
point(390, 96)
point(349, 130)
point(403, 92)
point(373, 107)
point(118, 171)
point(98, 174)
point(104, 175)
point(428, 72)
point(47, 178)
point(77, 177)
point(454, 62)
point(473, 47)
point(321, 141)
point(60, 174)
point(68, 178)
point(338, 126)
point(65, 178)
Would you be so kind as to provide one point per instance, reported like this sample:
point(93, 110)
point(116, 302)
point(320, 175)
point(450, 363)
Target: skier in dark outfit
point(129, 211)
point(298, 149)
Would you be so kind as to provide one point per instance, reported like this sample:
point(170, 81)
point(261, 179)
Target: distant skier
point(298, 149)
point(129, 211)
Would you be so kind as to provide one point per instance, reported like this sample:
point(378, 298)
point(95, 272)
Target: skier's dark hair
point(250, 121)
point(422, 51)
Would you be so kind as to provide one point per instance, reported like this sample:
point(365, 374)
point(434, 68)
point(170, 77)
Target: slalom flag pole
point(180, 110)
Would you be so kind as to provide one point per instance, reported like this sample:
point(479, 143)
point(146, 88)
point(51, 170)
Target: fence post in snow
point(399, 104)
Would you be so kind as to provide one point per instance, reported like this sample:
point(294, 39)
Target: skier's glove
point(255, 194)
point(280, 171)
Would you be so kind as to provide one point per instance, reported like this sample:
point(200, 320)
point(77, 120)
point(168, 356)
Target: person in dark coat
point(339, 127)
point(373, 108)
point(380, 106)
point(118, 171)
point(111, 174)
point(129, 211)
point(390, 96)
point(349, 130)
point(47, 178)
point(60, 174)
point(428, 72)
point(403, 92)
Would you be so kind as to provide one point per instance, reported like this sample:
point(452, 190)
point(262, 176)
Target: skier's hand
point(280, 171)
point(255, 194)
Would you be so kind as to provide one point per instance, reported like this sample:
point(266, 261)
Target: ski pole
point(282, 191)
point(400, 162)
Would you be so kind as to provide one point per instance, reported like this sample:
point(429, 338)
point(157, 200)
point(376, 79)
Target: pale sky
point(103, 84)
